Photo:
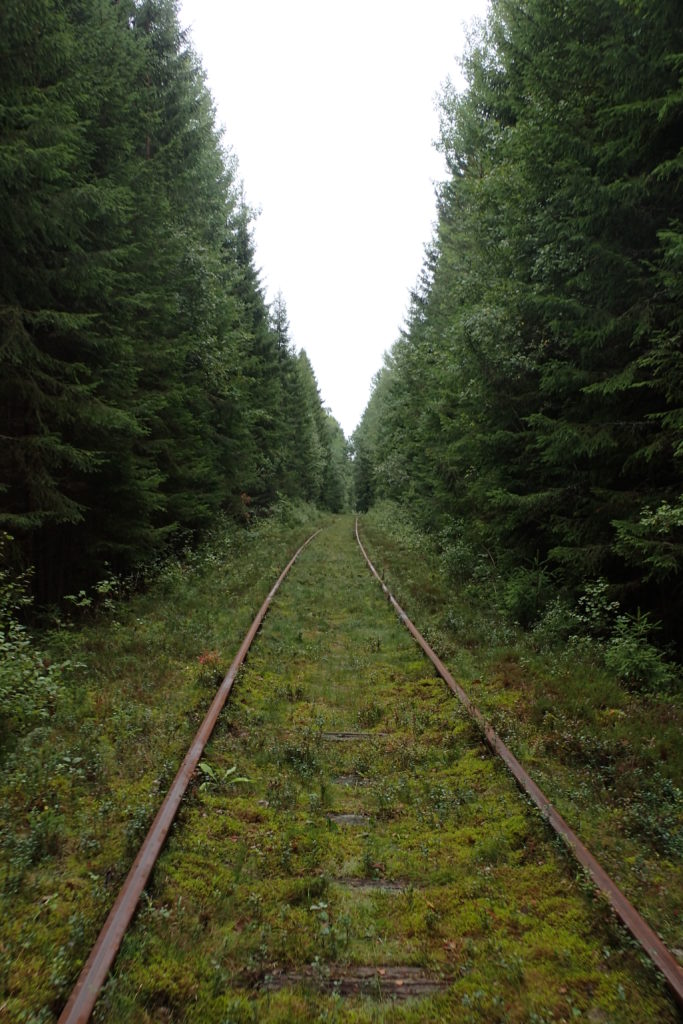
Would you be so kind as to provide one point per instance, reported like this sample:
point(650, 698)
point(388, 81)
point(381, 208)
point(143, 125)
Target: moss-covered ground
point(79, 790)
point(611, 759)
point(376, 845)
point(376, 849)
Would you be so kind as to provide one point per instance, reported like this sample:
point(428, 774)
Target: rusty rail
point(650, 942)
point(94, 973)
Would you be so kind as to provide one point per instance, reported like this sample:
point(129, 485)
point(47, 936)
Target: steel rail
point(641, 931)
point(84, 995)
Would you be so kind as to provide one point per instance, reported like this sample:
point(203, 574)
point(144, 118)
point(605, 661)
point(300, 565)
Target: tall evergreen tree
point(544, 339)
point(68, 366)
point(142, 385)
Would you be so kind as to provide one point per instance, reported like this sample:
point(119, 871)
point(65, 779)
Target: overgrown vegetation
point(264, 897)
point(604, 748)
point(347, 816)
point(266, 894)
point(95, 721)
point(29, 680)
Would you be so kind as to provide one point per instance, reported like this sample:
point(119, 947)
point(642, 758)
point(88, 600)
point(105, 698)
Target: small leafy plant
point(214, 778)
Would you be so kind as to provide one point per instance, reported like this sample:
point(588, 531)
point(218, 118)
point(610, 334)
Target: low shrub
point(637, 662)
point(29, 680)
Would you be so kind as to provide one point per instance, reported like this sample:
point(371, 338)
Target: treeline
point(531, 413)
point(144, 382)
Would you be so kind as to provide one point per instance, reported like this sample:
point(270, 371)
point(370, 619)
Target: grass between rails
point(264, 901)
point(78, 793)
point(611, 760)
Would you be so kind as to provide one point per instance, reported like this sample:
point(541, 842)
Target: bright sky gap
point(330, 110)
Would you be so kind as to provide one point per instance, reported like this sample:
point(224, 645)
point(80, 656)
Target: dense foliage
point(144, 383)
point(530, 413)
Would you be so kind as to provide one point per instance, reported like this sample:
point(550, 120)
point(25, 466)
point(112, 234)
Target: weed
point(301, 756)
point(282, 792)
point(137, 826)
point(289, 691)
point(558, 622)
point(239, 860)
point(30, 679)
point(210, 672)
point(439, 798)
point(239, 1010)
point(214, 778)
point(370, 714)
point(388, 799)
point(315, 804)
point(654, 810)
point(372, 866)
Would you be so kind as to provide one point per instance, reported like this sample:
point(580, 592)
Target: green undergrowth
point(87, 759)
point(263, 896)
point(609, 757)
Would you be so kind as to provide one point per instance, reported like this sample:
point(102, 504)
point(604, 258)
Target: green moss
point(77, 794)
point(611, 761)
point(256, 879)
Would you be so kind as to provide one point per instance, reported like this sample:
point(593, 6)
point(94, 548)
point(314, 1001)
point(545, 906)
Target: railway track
point(352, 851)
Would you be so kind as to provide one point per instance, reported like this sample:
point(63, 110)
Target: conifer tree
point(142, 386)
point(544, 337)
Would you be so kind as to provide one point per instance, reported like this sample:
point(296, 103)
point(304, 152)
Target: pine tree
point(544, 339)
point(63, 241)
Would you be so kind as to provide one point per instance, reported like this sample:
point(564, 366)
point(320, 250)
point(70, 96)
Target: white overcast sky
point(330, 110)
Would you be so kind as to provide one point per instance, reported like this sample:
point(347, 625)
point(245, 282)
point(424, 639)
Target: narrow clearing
point(379, 864)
